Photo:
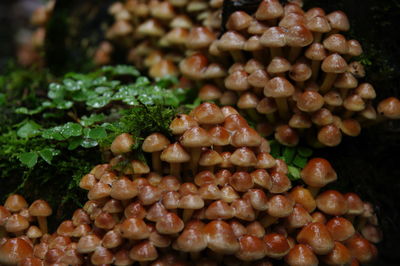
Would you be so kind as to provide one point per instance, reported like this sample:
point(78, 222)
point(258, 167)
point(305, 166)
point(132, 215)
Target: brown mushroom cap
point(208, 113)
point(301, 255)
point(298, 36)
point(278, 65)
point(195, 137)
point(199, 37)
point(274, 37)
point(194, 66)
point(269, 9)
point(237, 81)
point(354, 203)
point(14, 250)
point(286, 135)
point(15, 203)
point(340, 255)
point(181, 123)
point(334, 63)
point(336, 43)
point(231, 41)
point(221, 238)
point(318, 24)
point(143, 251)
point(317, 236)
point(40, 208)
point(318, 172)
point(243, 157)
point(340, 228)
point(239, 20)
point(175, 153)
point(338, 20)
point(122, 143)
point(332, 202)
point(310, 101)
point(304, 197)
point(316, 51)
point(390, 108)
point(250, 248)
point(278, 87)
point(355, 48)
point(155, 142)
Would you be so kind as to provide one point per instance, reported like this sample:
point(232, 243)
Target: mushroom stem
point(294, 52)
point(317, 37)
point(42, 224)
point(175, 170)
point(194, 158)
point(187, 214)
point(328, 81)
point(195, 256)
point(271, 118)
point(156, 161)
point(3, 232)
point(253, 114)
point(268, 221)
point(238, 56)
point(283, 108)
point(315, 65)
point(276, 51)
point(313, 190)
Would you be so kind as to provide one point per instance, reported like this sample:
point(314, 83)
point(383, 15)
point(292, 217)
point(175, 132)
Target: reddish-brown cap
point(257, 27)
point(317, 236)
point(221, 238)
point(274, 37)
point(340, 255)
point(133, 228)
point(163, 68)
point(266, 106)
point(191, 240)
point(243, 157)
point(332, 202)
point(330, 135)
point(123, 189)
point(169, 224)
point(195, 137)
point(300, 120)
point(15, 203)
point(219, 210)
point(88, 243)
point(237, 81)
point(208, 113)
point(251, 248)
point(390, 108)
point(304, 197)
point(246, 136)
point(340, 228)
point(334, 63)
point(238, 20)
point(298, 218)
point(318, 172)
point(310, 101)
point(269, 9)
point(346, 81)
point(361, 249)
point(14, 250)
point(143, 251)
point(241, 181)
point(280, 206)
point(262, 178)
point(194, 66)
point(16, 223)
point(301, 71)
point(286, 135)
point(276, 245)
point(354, 203)
point(247, 100)
point(301, 255)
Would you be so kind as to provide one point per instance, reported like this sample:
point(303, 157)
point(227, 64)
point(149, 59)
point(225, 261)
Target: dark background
point(369, 164)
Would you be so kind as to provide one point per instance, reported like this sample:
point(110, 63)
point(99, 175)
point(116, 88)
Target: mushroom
point(279, 88)
point(155, 143)
point(14, 250)
point(175, 155)
point(41, 209)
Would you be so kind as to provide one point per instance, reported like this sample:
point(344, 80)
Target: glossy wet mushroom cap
point(318, 172)
point(317, 236)
point(122, 143)
point(390, 108)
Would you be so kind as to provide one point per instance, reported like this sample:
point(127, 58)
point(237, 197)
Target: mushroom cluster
point(292, 68)
point(155, 34)
point(215, 191)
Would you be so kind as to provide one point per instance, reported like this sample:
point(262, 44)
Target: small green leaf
point(97, 133)
point(28, 158)
point(294, 173)
point(3, 99)
point(288, 154)
point(71, 129)
point(300, 161)
point(275, 148)
point(74, 143)
point(29, 129)
point(305, 152)
point(47, 154)
point(92, 119)
point(121, 70)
